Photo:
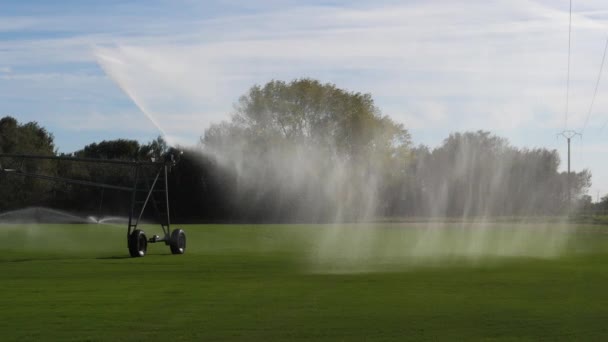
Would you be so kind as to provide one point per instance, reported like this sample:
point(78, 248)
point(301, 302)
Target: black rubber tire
point(178, 242)
point(138, 244)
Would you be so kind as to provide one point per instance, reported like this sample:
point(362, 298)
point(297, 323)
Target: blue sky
point(93, 70)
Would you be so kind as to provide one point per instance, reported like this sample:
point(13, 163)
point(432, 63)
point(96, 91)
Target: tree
point(585, 204)
point(480, 174)
point(86, 198)
point(603, 203)
point(307, 151)
point(27, 138)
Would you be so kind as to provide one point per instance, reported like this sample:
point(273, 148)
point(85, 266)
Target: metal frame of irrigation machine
point(150, 184)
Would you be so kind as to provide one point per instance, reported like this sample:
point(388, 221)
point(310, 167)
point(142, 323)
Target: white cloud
point(488, 58)
point(504, 59)
point(445, 65)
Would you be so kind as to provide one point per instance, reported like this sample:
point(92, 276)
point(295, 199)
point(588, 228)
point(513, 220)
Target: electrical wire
point(603, 126)
point(597, 84)
point(568, 73)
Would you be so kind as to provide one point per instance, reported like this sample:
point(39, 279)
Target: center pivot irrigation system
point(150, 186)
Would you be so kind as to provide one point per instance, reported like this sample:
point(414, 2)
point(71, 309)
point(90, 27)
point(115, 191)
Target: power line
point(597, 83)
point(566, 133)
point(603, 126)
point(568, 73)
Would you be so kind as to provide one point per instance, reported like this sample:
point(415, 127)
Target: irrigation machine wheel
point(178, 242)
point(138, 244)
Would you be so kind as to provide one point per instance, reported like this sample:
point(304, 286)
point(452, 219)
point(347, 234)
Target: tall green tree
point(308, 150)
point(90, 199)
point(480, 174)
point(25, 138)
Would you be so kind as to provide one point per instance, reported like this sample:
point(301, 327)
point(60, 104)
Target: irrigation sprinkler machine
point(150, 187)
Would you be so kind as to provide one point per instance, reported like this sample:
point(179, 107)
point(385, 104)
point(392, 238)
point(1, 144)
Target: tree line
point(308, 152)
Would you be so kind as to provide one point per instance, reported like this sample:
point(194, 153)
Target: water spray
point(110, 64)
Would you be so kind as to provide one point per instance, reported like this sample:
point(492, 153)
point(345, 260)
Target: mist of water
point(317, 183)
point(26, 232)
point(463, 204)
point(42, 215)
point(369, 247)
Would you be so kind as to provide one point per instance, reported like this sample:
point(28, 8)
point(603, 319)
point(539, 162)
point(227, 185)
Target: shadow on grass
point(6, 261)
point(22, 260)
point(114, 257)
point(84, 257)
point(61, 258)
point(119, 257)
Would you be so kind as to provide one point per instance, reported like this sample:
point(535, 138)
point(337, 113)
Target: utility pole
point(569, 134)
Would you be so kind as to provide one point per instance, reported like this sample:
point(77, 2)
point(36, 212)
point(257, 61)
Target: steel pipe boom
point(81, 160)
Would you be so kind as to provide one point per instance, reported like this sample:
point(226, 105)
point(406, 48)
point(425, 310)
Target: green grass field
point(273, 283)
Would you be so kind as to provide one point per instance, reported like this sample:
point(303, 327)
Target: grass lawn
point(256, 283)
